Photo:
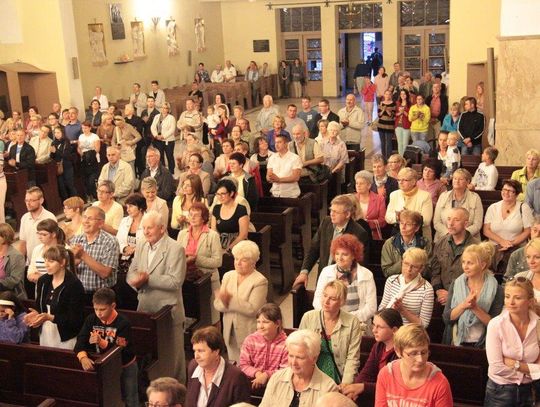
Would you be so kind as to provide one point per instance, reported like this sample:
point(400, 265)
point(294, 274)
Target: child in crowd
point(103, 330)
point(486, 176)
point(452, 160)
point(212, 120)
point(12, 327)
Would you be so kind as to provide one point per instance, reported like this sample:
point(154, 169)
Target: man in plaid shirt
point(96, 253)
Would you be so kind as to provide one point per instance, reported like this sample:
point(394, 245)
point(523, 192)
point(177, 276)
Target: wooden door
point(424, 49)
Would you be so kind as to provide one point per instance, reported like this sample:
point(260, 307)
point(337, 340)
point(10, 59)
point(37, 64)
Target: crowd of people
point(166, 199)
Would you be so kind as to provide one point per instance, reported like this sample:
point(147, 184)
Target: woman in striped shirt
point(49, 234)
point(409, 292)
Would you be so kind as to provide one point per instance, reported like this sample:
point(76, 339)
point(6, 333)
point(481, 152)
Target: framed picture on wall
point(117, 23)
point(96, 36)
point(137, 38)
point(261, 46)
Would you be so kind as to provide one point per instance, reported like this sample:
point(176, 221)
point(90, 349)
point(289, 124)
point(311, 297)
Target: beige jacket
point(420, 202)
point(126, 139)
point(346, 339)
point(239, 316)
point(280, 390)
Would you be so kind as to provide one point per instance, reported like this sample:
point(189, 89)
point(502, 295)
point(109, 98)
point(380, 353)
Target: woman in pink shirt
point(264, 351)
point(412, 380)
point(368, 93)
point(512, 348)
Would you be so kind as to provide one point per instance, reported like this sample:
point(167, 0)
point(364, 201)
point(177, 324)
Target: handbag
point(59, 168)
point(319, 173)
point(375, 124)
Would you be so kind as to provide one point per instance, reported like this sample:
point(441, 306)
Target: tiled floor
point(370, 140)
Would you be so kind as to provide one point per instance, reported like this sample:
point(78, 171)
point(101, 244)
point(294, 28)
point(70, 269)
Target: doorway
point(356, 47)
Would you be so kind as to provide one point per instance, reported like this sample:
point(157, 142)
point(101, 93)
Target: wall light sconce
point(155, 20)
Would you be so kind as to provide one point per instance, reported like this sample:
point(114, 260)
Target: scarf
point(380, 182)
point(345, 274)
point(405, 288)
point(484, 301)
point(408, 195)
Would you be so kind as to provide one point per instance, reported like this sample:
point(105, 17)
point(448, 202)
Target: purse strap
point(327, 340)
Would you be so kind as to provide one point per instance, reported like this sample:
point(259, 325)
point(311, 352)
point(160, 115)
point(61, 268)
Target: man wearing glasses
point(96, 253)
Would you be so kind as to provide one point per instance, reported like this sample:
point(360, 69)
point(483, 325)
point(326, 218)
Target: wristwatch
point(516, 365)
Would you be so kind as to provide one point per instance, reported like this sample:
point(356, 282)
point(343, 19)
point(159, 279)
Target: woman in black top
point(230, 219)
point(61, 153)
point(387, 114)
point(59, 301)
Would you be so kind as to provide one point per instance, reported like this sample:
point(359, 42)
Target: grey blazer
point(166, 276)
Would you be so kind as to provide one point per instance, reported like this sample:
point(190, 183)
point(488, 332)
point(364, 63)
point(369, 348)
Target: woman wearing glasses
point(512, 348)
point(409, 235)
point(412, 377)
point(408, 196)
point(473, 299)
point(508, 223)
point(409, 293)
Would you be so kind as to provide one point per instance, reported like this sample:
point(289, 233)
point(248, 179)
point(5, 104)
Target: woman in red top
point(386, 322)
point(412, 380)
point(402, 123)
point(368, 93)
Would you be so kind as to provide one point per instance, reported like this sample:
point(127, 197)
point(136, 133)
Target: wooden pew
point(45, 403)
point(30, 373)
point(301, 221)
point(280, 243)
point(319, 207)
point(46, 179)
point(17, 183)
point(465, 368)
point(197, 306)
point(356, 163)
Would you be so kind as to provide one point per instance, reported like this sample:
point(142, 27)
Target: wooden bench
point(301, 230)
point(46, 179)
point(17, 183)
point(356, 163)
point(280, 243)
point(45, 403)
point(319, 207)
point(31, 373)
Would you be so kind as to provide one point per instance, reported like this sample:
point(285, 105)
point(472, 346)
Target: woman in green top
point(340, 334)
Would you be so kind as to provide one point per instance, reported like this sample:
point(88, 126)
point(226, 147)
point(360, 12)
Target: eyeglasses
point(411, 266)
point(31, 200)
point(508, 191)
point(422, 353)
point(405, 180)
point(519, 279)
point(222, 193)
point(90, 218)
point(148, 404)
point(407, 224)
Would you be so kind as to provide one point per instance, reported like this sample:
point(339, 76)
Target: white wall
point(520, 17)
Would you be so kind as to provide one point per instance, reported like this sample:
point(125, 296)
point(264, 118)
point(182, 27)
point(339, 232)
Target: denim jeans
point(506, 395)
point(474, 150)
point(403, 138)
point(386, 142)
point(129, 383)
point(418, 135)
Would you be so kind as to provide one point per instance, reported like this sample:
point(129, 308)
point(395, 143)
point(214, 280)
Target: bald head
point(334, 399)
point(457, 221)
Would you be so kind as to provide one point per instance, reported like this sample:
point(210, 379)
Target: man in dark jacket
point(22, 156)
point(163, 177)
point(470, 128)
point(324, 113)
point(338, 223)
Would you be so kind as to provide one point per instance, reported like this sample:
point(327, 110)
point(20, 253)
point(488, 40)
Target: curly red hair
point(350, 243)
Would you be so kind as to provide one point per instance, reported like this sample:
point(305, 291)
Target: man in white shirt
point(217, 75)
point(230, 72)
point(103, 101)
point(138, 99)
point(283, 170)
point(351, 119)
point(119, 173)
point(28, 237)
point(292, 119)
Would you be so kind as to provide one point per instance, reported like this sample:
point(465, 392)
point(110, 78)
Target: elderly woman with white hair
point(341, 333)
point(372, 205)
point(243, 292)
point(408, 292)
point(335, 149)
point(149, 190)
point(302, 383)
point(408, 196)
